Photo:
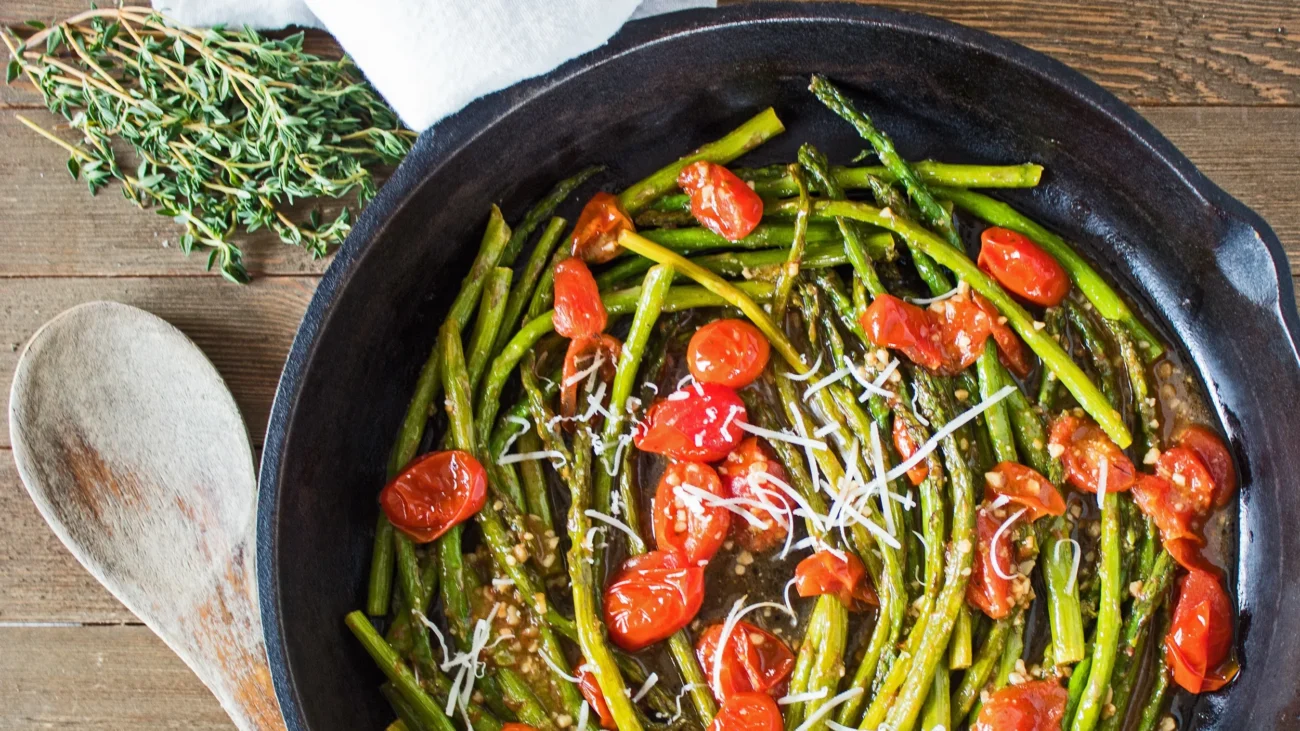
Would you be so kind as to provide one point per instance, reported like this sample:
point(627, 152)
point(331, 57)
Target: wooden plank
point(39, 580)
point(102, 678)
point(1149, 52)
point(245, 331)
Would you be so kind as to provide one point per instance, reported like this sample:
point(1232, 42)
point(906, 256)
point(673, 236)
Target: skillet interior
point(1206, 267)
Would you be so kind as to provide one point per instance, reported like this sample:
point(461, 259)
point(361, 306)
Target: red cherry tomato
point(1200, 638)
point(844, 577)
point(727, 352)
point(988, 589)
point(748, 474)
point(697, 423)
point(595, 697)
point(963, 328)
point(1022, 267)
point(1173, 513)
point(1189, 476)
point(892, 323)
point(579, 313)
point(906, 447)
point(1214, 455)
point(720, 201)
point(1024, 486)
point(1187, 552)
point(513, 726)
point(580, 356)
point(1086, 448)
point(1034, 706)
point(748, 712)
point(684, 523)
point(595, 237)
point(434, 493)
point(1011, 349)
point(650, 597)
point(753, 660)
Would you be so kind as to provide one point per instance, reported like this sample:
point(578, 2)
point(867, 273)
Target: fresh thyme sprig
point(228, 128)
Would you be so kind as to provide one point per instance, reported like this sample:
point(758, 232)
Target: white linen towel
point(429, 58)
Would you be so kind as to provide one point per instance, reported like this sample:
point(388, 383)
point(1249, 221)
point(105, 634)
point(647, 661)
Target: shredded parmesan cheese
point(827, 707)
point(812, 371)
point(645, 687)
point(1076, 550)
point(532, 456)
point(993, 547)
point(1103, 475)
point(925, 449)
point(615, 522)
point(738, 610)
point(812, 695)
point(828, 380)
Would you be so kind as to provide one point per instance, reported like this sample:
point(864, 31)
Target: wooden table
point(1219, 78)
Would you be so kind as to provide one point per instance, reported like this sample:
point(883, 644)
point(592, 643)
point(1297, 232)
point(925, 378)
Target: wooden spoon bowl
point(135, 453)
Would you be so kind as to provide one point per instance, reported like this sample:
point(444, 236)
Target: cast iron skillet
point(1199, 262)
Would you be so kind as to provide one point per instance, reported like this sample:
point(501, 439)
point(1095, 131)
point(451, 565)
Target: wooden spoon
point(135, 453)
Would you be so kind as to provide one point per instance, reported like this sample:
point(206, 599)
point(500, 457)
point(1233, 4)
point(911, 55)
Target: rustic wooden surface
point(1221, 78)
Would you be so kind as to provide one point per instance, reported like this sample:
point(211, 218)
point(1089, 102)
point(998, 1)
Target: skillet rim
point(448, 136)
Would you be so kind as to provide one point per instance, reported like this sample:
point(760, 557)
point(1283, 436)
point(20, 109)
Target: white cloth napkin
point(429, 58)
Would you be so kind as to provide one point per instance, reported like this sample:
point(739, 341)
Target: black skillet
point(1201, 265)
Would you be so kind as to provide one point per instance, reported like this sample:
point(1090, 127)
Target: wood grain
point(1153, 52)
point(101, 679)
point(245, 331)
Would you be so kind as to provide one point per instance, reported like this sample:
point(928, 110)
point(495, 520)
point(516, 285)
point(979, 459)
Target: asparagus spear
point(759, 129)
point(523, 290)
point(1108, 620)
point(542, 210)
point(425, 711)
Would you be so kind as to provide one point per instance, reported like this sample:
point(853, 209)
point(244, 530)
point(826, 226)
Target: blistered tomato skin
point(1037, 705)
point(1199, 643)
point(595, 237)
point(753, 660)
point(1022, 267)
point(435, 493)
point(989, 590)
point(650, 597)
point(684, 522)
point(1084, 449)
point(727, 352)
point(1182, 467)
point(721, 201)
point(581, 356)
point(595, 697)
point(906, 447)
point(946, 337)
point(843, 577)
point(748, 712)
point(698, 423)
point(892, 323)
point(579, 312)
point(748, 473)
point(1025, 487)
point(1215, 456)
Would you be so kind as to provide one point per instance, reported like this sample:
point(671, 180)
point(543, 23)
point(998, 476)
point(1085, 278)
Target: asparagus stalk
point(759, 129)
point(1108, 620)
point(1063, 610)
point(693, 239)
point(543, 210)
point(786, 278)
point(937, 713)
point(533, 270)
point(996, 418)
point(425, 711)
point(981, 669)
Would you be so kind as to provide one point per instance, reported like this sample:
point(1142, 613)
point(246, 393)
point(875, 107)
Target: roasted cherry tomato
point(434, 493)
point(892, 323)
point(1214, 455)
point(1200, 639)
point(595, 237)
point(963, 328)
point(1034, 706)
point(579, 313)
point(1011, 349)
point(906, 447)
point(748, 712)
point(1169, 507)
point(720, 201)
point(513, 726)
point(727, 352)
point(1189, 476)
point(582, 356)
point(1187, 552)
point(595, 697)
point(750, 473)
point(697, 423)
point(650, 597)
point(684, 522)
point(1022, 267)
point(988, 588)
point(1086, 448)
point(840, 575)
point(1024, 486)
point(753, 660)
